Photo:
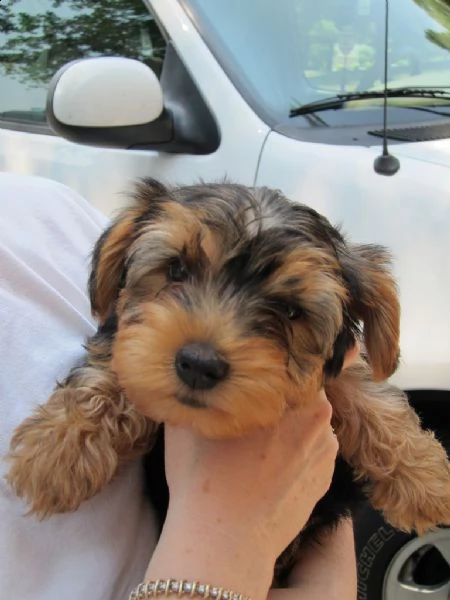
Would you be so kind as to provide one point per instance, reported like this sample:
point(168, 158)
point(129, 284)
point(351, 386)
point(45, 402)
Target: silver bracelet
point(181, 587)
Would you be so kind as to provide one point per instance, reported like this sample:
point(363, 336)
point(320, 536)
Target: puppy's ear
point(110, 252)
point(344, 342)
point(374, 301)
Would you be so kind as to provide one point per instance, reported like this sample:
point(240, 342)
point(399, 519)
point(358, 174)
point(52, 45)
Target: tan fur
point(255, 394)
point(377, 304)
point(111, 265)
point(380, 436)
point(73, 445)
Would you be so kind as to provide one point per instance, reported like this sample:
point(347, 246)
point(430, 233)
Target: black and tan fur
point(278, 296)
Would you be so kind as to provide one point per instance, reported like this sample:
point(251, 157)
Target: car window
point(39, 36)
point(285, 53)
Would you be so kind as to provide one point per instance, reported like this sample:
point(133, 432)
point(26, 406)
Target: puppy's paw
point(60, 457)
point(72, 446)
point(416, 495)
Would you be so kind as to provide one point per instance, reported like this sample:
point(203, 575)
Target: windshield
point(287, 53)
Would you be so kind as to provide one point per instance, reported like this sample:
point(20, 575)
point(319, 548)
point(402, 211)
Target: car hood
point(436, 152)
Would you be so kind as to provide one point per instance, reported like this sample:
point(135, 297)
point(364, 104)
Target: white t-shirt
point(101, 551)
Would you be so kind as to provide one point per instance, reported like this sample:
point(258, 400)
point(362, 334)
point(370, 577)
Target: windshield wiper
point(338, 101)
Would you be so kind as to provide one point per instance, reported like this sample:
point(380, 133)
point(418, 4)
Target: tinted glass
point(39, 36)
point(291, 52)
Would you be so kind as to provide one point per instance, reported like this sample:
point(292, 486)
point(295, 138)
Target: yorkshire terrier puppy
point(219, 306)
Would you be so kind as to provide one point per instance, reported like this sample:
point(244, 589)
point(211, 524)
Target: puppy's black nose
point(200, 367)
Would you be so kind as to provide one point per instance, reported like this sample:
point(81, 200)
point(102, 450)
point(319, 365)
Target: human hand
point(259, 489)
point(236, 504)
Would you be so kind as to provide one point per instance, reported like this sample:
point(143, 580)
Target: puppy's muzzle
point(200, 367)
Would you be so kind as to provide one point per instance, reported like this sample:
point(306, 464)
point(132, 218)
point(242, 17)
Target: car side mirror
point(105, 92)
point(109, 102)
point(116, 102)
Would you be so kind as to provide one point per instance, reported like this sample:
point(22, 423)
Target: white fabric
point(101, 551)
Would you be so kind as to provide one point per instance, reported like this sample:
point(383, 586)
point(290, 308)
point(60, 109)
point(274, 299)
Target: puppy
point(219, 306)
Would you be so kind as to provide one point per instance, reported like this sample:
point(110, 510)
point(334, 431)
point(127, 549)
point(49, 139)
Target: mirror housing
point(116, 102)
point(106, 92)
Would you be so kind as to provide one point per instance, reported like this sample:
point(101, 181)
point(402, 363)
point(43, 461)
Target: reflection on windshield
point(292, 52)
point(346, 54)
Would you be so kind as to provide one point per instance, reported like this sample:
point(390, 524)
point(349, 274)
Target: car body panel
point(410, 213)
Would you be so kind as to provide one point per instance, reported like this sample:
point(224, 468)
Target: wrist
point(199, 547)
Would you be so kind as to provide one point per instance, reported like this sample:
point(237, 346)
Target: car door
point(39, 36)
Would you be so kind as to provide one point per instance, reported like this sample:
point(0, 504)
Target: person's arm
point(236, 504)
point(325, 570)
point(194, 550)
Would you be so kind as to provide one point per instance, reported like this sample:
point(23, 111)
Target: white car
point(282, 93)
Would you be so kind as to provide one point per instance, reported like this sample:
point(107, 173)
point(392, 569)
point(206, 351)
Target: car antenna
point(386, 164)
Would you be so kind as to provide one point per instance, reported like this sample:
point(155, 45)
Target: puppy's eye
point(176, 270)
point(293, 312)
point(290, 310)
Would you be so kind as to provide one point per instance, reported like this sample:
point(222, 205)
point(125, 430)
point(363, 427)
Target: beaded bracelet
point(180, 587)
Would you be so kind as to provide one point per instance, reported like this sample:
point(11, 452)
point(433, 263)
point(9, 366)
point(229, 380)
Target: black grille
point(418, 133)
